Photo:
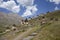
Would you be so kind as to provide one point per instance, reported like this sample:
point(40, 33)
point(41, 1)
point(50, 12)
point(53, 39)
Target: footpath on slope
point(24, 34)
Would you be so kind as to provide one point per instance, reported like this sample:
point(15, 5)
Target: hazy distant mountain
point(10, 18)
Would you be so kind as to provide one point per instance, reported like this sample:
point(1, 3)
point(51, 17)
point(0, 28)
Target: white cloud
point(10, 5)
point(29, 9)
point(27, 13)
point(34, 9)
point(16, 9)
point(28, 4)
point(56, 8)
point(25, 2)
point(55, 1)
point(1, 1)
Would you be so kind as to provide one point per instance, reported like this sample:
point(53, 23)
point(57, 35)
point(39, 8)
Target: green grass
point(48, 31)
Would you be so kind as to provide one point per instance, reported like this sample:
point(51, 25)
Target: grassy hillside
point(49, 26)
point(50, 30)
point(8, 20)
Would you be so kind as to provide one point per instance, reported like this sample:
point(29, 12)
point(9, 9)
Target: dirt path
point(24, 34)
point(21, 36)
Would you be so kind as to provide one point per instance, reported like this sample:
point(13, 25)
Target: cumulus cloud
point(26, 2)
point(10, 5)
point(1, 1)
point(56, 8)
point(55, 1)
point(30, 8)
point(27, 13)
point(16, 9)
point(30, 11)
point(34, 9)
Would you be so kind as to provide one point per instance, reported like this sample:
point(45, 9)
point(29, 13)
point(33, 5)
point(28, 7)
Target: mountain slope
point(9, 19)
point(51, 29)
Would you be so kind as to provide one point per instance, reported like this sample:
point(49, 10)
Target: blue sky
point(26, 8)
